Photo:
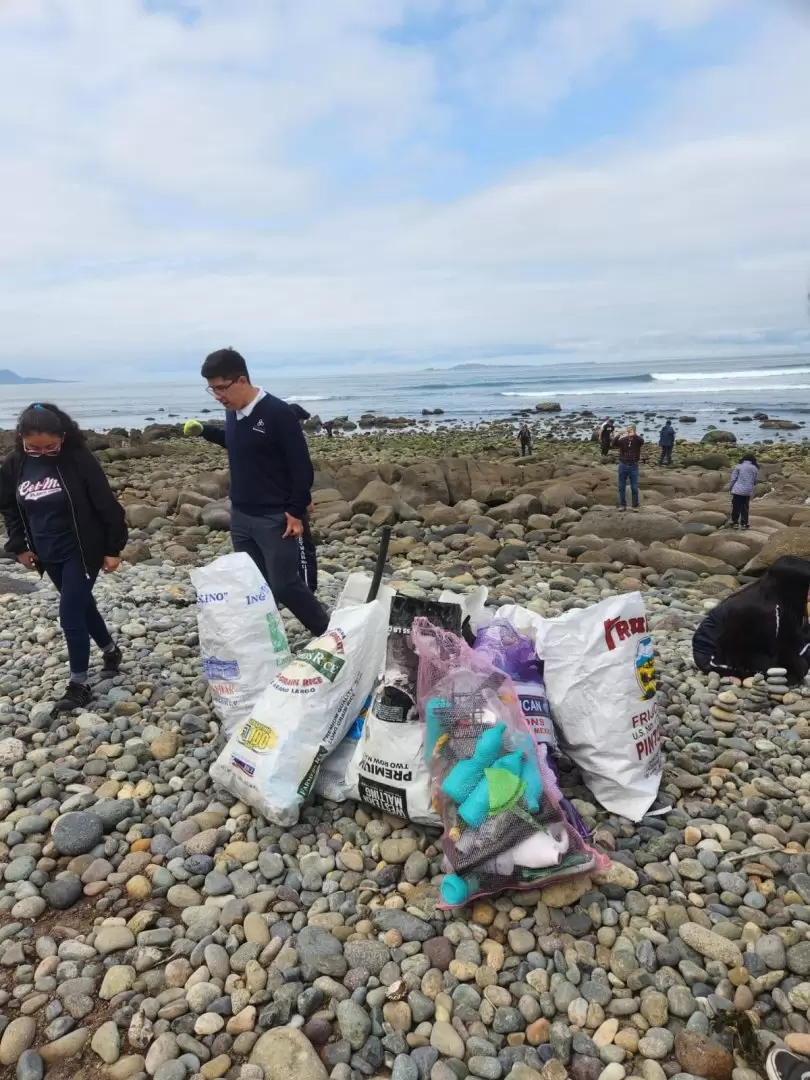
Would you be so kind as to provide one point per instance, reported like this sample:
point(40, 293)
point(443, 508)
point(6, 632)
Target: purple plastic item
point(516, 656)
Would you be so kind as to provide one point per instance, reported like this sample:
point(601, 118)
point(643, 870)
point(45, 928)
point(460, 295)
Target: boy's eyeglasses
point(216, 391)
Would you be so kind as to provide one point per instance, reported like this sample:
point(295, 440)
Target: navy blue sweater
point(271, 470)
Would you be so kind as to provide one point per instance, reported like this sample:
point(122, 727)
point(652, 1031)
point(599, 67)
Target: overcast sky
point(402, 178)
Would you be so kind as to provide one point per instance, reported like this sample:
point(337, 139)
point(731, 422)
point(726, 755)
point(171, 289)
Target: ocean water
point(717, 392)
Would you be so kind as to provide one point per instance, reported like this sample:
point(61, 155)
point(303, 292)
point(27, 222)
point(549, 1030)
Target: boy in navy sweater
point(271, 480)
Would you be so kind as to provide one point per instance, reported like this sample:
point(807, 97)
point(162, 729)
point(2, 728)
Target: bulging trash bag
point(499, 804)
point(388, 770)
point(242, 640)
point(272, 760)
point(600, 678)
point(332, 783)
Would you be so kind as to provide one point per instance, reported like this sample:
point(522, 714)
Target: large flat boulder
point(559, 496)
point(519, 509)
point(662, 558)
point(645, 527)
point(424, 483)
point(717, 546)
point(786, 542)
point(375, 494)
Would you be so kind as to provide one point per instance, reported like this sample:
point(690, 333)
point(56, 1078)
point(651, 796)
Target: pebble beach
point(151, 926)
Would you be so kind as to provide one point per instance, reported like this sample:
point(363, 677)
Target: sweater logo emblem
point(34, 491)
point(259, 426)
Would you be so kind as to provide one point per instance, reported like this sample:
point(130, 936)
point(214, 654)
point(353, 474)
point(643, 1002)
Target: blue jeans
point(78, 614)
point(628, 472)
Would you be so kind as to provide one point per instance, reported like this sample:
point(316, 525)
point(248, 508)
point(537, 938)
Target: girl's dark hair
point(43, 418)
point(749, 457)
point(752, 637)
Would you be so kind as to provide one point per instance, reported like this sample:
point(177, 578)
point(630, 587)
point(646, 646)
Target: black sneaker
point(784, 1065)
point(76, 696)
point(112, 661)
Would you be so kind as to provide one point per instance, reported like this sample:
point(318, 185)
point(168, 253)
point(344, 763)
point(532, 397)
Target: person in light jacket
point(743, 482)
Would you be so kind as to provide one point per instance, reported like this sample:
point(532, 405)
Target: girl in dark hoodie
point(761, 626)
point(63, 520)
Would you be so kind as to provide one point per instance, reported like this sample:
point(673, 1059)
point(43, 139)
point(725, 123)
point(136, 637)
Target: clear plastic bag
point(499, 803)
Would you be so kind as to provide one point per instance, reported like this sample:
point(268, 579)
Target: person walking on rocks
point(271, 480)
point(64, 521)
point(525, 437)
point(743, 482)
point(666, 440)
point(764, 626)
point(629, 444)
point(606, 436)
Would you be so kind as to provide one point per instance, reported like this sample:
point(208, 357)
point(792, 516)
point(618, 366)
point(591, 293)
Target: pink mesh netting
point(499, 802)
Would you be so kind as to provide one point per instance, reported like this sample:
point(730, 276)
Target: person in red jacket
point(629, 444)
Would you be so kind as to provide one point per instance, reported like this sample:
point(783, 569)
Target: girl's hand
point(110, 564)
point(27, 559)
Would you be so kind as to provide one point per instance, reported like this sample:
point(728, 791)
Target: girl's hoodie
point(744, 478)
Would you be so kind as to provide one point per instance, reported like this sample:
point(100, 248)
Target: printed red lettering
point(622, 629)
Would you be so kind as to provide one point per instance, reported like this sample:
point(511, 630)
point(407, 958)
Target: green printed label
point(325, 663)
point(307, 784)
point(277, 639)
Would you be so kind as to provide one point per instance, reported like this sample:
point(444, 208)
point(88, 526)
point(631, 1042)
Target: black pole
point(379, 569)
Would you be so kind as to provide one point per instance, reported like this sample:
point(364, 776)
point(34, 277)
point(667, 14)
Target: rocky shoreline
point(151, 926)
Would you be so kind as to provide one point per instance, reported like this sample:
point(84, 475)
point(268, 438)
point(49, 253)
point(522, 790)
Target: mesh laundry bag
point(499, 803)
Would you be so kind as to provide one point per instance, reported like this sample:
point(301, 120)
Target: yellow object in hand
point(192, 427)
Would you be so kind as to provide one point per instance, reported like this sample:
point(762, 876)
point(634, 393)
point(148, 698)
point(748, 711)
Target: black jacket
point(98, 517)
point(764, 648)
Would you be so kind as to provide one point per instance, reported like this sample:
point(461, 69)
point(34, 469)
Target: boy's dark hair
point(225, 364)
point(43, 418)
point(749, 457)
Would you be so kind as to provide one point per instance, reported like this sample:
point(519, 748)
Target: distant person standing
point(743, 481)
point(629, 444)
point(666, 441)
point(525, 437)
point(606, 436)
point(271, 480)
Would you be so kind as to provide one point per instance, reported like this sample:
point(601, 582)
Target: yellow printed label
point(258, 737)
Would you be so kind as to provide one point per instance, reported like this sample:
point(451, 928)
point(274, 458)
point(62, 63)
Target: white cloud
point(256, 177)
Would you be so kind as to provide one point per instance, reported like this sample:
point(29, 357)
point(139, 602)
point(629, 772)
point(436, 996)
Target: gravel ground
point(152, 926)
